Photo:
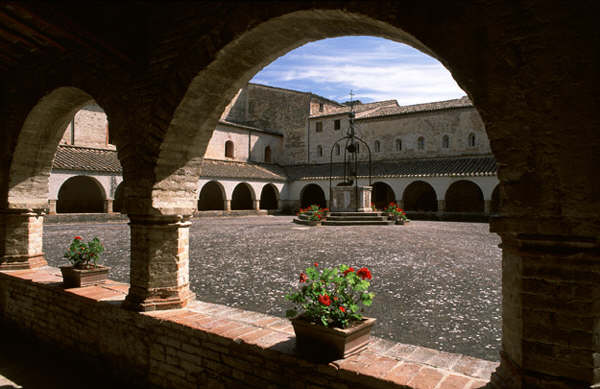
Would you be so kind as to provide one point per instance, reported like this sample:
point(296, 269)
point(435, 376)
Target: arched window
point(377, 146)
point(357, 147)
point(337, 149)
point(398, 144)
point(445, 142)
point(229, 149)
point(421, 143)
point(471, 140)
point(268, 154)
point(320, 151)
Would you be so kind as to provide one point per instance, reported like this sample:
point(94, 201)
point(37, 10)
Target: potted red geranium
point(328, 319)
point(84, 269)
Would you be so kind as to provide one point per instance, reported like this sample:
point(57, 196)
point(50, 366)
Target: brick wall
point(210, 345)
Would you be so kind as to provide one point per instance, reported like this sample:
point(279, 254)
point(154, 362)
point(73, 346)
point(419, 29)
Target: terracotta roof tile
point(86, 158)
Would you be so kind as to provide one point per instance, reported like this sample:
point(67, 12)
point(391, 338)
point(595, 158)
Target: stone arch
point(269, 197)
point(464, 196)
point(119, 201)
point(81, 194)
point(312, 194)
point(212, 196)
point(496, 201)
point(382, 195)
point(36, 146)
point(420, 196)
point(242, 197)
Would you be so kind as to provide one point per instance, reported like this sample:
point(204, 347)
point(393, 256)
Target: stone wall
point(210, 345)
point(89, 127)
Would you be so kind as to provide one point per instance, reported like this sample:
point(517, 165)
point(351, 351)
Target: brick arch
point(36, 145)
point(213, 87)
point(81, 194)
point(212, 196)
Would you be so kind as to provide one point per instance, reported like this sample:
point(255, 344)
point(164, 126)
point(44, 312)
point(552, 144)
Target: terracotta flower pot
point(77, 278)
point(330, 343)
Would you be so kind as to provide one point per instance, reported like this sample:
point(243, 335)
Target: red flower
point(325, 300)
point(302, 277)
point(335, 298)
point(342, 309)
point(77, 238)
point(363, 273)
point(349, 270)
point(316, 264)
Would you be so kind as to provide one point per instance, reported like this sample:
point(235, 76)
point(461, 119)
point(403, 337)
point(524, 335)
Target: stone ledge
point(230, 337)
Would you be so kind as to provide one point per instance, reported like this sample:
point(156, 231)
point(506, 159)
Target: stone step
point(357, 222)
point(355, 214)
point(358, 218)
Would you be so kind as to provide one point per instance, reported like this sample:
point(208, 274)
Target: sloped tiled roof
point(232, 169)
point(86, 158)
point(438, 167)
point(391, 107)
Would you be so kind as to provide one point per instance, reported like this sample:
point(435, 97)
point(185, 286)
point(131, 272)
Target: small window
point(337, 124)
point(319, 126)
point(445, 142)
point(337, 149)
point(471, 140)
point(268, 154)
point(398, 144)
point(229, 149)
point(320, 107)
point(357, 147)
point(377, 146)
point(421, 143)
point(320, 151)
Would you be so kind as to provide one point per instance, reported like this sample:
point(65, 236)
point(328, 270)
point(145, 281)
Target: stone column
point(256, 205)
point(487, 206)
point(159, 275)
point(550, 309)
point(441, 205)
point(108, 206)
point(52, 207)
point(21, 237)
point(400, 203)
point(227, 205)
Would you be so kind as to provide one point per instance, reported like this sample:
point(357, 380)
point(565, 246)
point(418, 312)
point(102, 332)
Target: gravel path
point(437, 284)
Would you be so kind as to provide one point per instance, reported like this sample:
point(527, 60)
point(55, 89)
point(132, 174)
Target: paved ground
point(437, 283)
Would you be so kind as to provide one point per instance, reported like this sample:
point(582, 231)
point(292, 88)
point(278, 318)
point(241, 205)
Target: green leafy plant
point(396, 211)
point(313, 212)
point(331, 296)
point(82, 255)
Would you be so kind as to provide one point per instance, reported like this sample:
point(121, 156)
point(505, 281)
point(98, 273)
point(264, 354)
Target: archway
point(242, 197)
point(464, 196)
point(268, 197)
point(420, 196)
point(312, 194)
point(211, 197)
point(382, 195)
point(119, 198)
point(496, 201)
point(80, 194)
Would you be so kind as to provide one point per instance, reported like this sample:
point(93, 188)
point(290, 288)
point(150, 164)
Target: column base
point(160, 300)
point(22, 262)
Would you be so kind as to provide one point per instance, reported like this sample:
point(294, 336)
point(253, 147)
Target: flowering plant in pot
point(84, 269)
point(313, 213)
point(328, 318)
point(396, 213)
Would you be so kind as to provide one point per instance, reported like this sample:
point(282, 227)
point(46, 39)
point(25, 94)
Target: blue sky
point(374, 68)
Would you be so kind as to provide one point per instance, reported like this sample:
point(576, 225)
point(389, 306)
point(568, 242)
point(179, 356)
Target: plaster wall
point(108, 182)
point(228, 185)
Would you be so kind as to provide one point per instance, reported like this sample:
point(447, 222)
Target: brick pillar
point(227, 205)
point(52, 207)
point(441, 205)
point(256, 205)
point(108, 206)
point(159, 275)
point(550, 309)
point(21, 236)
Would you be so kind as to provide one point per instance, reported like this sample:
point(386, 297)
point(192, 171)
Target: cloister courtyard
point(437, 284)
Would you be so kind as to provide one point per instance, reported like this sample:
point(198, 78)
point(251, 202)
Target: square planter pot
point(77, 278)
point(330, 343)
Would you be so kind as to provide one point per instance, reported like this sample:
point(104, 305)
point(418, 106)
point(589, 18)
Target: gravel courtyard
point(437, 284)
